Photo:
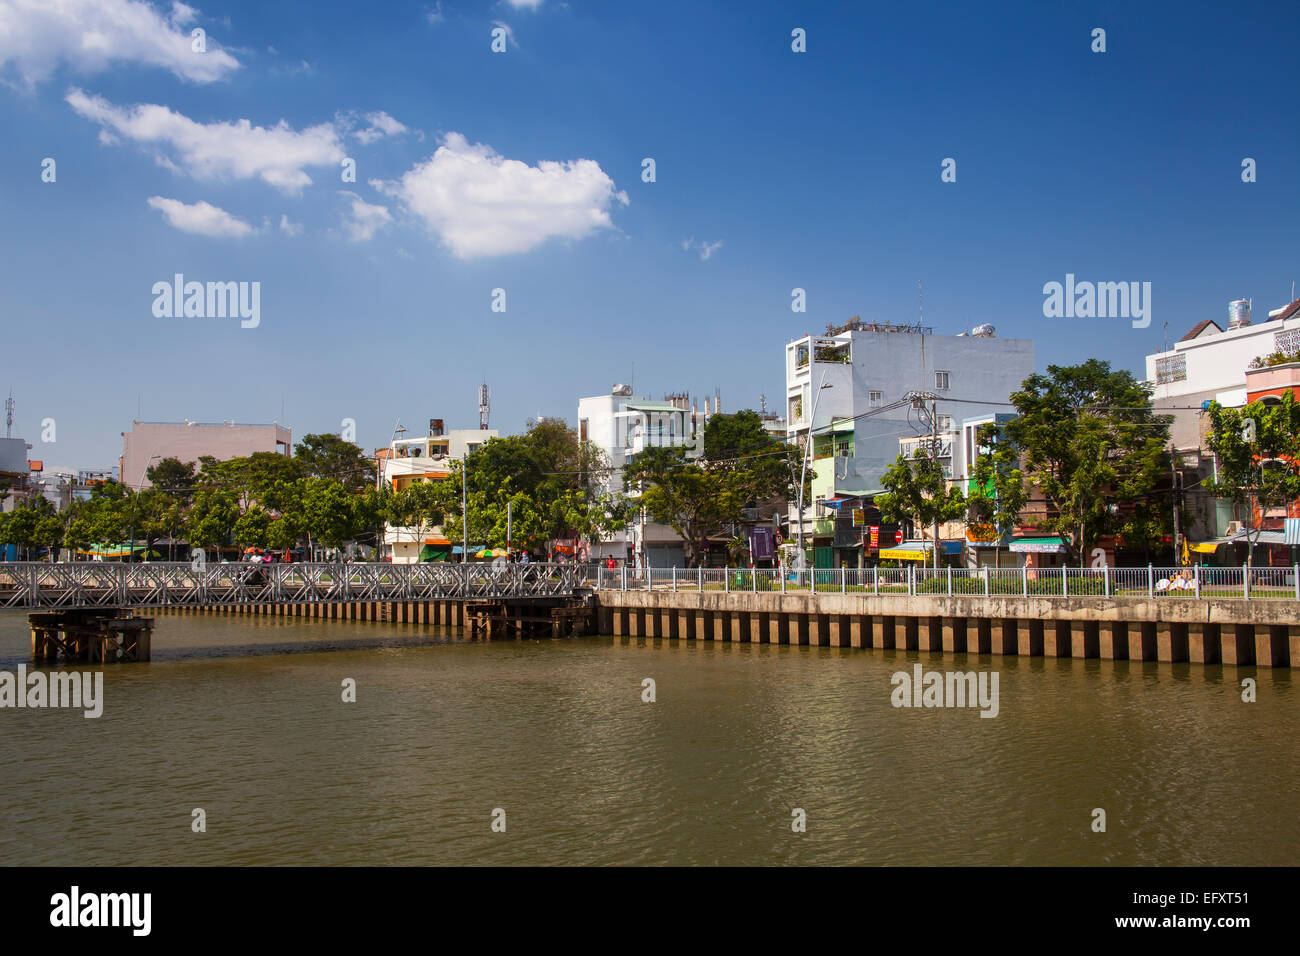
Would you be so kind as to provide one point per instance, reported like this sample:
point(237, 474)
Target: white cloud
point(277, 155)
point(290, 228)
point(381, 125)
point(90, 35)
point(202, 219)
point(525, 4)
point(434, 16)
point(705, 249)
point(366, 218)
point(482, 204)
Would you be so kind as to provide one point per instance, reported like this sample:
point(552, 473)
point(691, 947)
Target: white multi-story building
point(622, 425)
point(407, 461)
point(860, 377)
point(1211, 363)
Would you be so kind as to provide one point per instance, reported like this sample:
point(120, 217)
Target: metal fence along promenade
point(181, 584)
point(1257, 583)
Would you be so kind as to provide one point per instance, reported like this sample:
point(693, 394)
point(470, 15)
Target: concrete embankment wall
point(1262, 633)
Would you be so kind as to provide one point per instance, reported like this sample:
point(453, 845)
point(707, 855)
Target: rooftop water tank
point(1238, 313)
point(983, 331)
point(625, 390)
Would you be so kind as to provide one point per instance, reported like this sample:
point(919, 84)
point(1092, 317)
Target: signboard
point(780, 539)
point(859, 517)
point(761, 543)
point(898, 536)
point(875, 536)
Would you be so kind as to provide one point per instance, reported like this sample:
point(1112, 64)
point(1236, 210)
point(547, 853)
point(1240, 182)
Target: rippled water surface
point(243, 717)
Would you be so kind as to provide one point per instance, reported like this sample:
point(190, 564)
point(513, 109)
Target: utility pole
point(1176, 488)
point(464, 510)
point(509, 506)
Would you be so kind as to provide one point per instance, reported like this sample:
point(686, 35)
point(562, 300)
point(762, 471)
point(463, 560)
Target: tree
point(999, 494)
point(741, 464)
point(695, 502)
point(1257, 458)
point(212, 518)
point(916, 490)
point(329, 456)
point(1092, 443)
point(172, 477)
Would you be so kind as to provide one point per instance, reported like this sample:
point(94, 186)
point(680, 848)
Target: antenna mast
point(484, 406)
point(9, 414)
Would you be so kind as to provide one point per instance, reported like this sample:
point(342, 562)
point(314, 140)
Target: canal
point(243, 717)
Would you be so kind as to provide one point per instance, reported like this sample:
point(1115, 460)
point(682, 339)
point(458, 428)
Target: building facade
point(863, 387)
point(149, 442)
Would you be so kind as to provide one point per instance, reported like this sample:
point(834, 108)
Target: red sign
point(875, 536)
point(898, 536)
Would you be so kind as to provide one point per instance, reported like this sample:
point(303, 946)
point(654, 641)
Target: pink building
point(149, 442)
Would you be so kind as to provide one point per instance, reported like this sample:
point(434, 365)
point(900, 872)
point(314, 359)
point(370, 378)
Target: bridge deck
point(35, 585)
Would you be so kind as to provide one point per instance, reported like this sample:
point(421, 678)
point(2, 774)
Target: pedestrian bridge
point(181, 584)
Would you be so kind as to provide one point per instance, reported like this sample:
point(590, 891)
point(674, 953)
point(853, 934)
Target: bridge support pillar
point(979, 639)
point(954, 635)
point(1203, 643)
point(1142, 641)
point(1171, 642)
point(1114, 640)
point(1005, 635)
point(930, 633)
point(1271, 646)
point(883, 632)
point(1238, 644)
point(1056, 638)
point(778, 628)
point(1029, 637)
point(907, 637)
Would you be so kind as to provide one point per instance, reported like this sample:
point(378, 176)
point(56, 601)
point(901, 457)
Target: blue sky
point(775, 170)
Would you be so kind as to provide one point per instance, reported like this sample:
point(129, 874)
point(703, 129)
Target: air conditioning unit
point(1235, 527)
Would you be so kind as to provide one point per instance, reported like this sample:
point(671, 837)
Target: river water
point(243, 717)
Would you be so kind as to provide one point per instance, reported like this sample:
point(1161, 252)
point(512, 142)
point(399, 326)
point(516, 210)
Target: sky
point(523, 171)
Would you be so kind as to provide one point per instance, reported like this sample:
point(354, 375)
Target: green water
point(243, 717)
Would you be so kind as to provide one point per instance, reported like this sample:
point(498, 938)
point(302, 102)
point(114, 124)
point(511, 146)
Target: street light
point(807, 452)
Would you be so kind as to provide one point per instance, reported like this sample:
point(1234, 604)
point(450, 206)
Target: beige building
point(149, 442)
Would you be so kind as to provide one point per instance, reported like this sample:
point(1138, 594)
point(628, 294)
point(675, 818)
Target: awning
point(1207, 547)
point(1053, 545)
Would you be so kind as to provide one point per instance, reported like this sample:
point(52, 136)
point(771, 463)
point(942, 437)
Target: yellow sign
point(905, 554)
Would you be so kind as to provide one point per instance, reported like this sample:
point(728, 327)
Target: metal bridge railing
point(1258, 583)
point(181, 584)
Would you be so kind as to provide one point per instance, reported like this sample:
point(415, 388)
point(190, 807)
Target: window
point(875, 397)
point(1171, 368)
point(944, 423)
point(941, 381)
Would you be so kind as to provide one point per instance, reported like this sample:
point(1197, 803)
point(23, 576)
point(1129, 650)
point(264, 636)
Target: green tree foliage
point(330, 457)
point(916, 490)
point(1089, 439)
point(172, 477)
point(741, 464)
point(1257, 457)
point(548, 479)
